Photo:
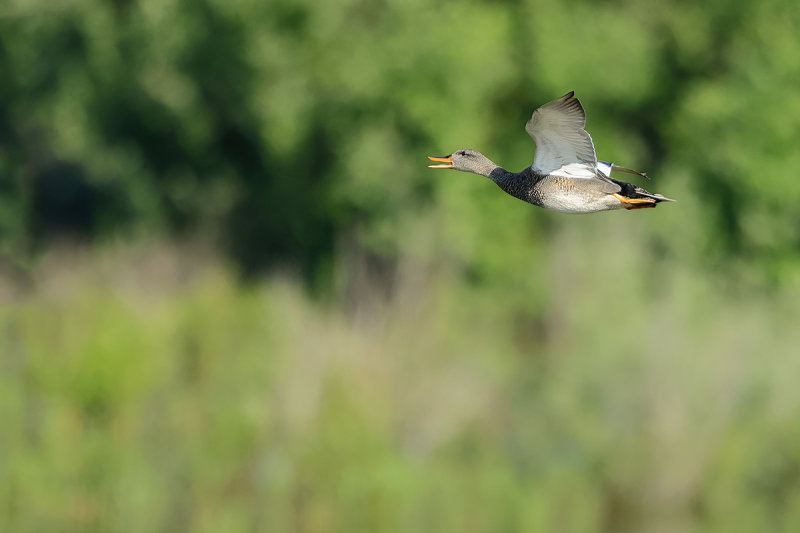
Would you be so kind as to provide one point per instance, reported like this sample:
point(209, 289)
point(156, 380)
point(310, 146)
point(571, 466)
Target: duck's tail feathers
point(637, 198)
point(657, 197)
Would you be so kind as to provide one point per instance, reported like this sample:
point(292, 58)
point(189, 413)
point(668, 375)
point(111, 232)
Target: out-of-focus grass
point(143, 390)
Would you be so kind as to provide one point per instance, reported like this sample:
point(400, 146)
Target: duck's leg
point(635, 203)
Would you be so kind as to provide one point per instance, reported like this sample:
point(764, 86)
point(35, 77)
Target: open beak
point(448, 160)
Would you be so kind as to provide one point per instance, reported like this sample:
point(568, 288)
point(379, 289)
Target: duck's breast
point(573, 195)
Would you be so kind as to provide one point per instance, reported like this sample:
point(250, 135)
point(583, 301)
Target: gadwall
point(565, 174)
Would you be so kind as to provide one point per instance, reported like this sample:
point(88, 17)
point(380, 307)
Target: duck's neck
point(494, 172)
point(517, 184)
point(499, 175)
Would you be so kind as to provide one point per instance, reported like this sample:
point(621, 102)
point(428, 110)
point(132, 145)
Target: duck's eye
point(462, 152)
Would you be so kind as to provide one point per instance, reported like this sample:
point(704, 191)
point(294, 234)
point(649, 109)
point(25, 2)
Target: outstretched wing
point(563, 147)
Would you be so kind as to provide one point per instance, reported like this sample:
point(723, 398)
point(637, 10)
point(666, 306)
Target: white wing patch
point(605, 167)
point(574, 170)
point(563, 147)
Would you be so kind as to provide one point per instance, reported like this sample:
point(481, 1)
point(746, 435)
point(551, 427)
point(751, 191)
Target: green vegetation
point(139, 394)
point(234, 299)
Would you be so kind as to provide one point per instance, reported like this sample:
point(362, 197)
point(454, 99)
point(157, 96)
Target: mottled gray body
point(558, 193)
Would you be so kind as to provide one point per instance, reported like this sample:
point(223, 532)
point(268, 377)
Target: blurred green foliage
point(467, 362)
point(149, 391)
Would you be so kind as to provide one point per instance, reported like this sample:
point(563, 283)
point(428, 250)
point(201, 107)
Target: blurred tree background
point(234, 297)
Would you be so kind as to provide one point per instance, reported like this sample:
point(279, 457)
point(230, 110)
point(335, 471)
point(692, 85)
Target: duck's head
point(465, 160)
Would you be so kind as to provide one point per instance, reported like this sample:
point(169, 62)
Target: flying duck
point(565, 174)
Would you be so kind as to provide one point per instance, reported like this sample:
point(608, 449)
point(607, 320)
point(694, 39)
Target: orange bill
point(447, 160)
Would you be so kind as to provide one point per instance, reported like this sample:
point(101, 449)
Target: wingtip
point(568, 95)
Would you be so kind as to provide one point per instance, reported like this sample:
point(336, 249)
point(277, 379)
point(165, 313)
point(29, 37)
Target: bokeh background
point(235, 299)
